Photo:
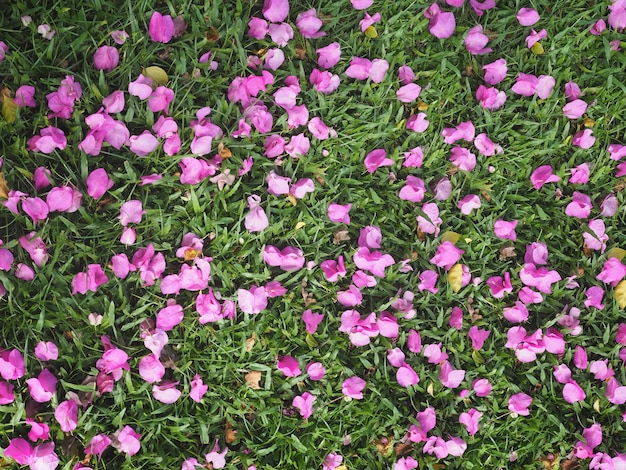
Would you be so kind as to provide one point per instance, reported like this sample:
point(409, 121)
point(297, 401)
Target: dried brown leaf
point(384, 446)
point(250, 342)
point(340, 235)
point(506, 252)
point(230, 433)
point(403, 449)
point(253, 379)
point(212, 34)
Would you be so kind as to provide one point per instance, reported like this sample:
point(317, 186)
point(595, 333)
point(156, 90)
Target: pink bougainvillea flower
point(450, 377)
point(66, 415)
point(609, 205)
point(119, 36)
point(481, 387)
point(276, 10)
point(408, 93)
point(485, 145)
point(519, 404)
point(413, 158)
point(46, 351)
point(584, 139)
point(417, 122)
point(316, 370)
point(42, 388)
point(406, 376)
point(24, 272)
point(528, 85)
point(517, 313)
point(361, 4)
point(441, 23)
point(38, 458)
point(160, 99)
point(281, 33)
point(257, 28)
point(612, 272)
point(580, 174)
point(311, 320)
point(324, 81)
point(50, 138)
point(3, 50)
point(468, 204)
point(540, 278)
point(36, 208)
point(11, 365)
point(309, 24)
point(414, 189)
point(328, 56)
point(572, 392)
point(475, 41)
point(370, 237)
point(161, 27)
point(42, 178)
point(542, 175)
point(143, 144)
point(377, 158)
point(464, 130)
point(24, 96)
point(432, 222)
point(490, 98)
point(478, 337)
point(304, 404)
point(252, 301)
point(462, 158)
point(447, 255)
point(505, 230)
point(255, 220)
point(495, 72)
point(373, 261)
point(536, 253)
point(362, 69)
point(594, 296)
point(37, 430)
point(368, 21)
point(98, 183)
point(428, 280)
point(299, 144)
point(350, 297)
point(596, 239)
point(527, 16)
point(141, 88)
point(580, 207)
point(288, 259)
point(127, 441)
point(63, 199)
point(534, 37)
point(470, 420)
point(572, 91)
point(98, 445)
point(353, 387)
point(131, 212)
point(456, 318)
point(46, 31)
point(574, 109)
point(198, 389)
point(166, 392)
point(289, 366)
point(151, 369)
point(405, 463)
point(106, 58)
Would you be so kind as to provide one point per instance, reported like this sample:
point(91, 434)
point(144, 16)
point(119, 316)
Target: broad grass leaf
point(455, 276)
point(157, 74)
point(620, 294)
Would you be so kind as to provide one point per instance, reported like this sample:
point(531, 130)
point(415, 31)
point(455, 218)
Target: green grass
point(270, 432)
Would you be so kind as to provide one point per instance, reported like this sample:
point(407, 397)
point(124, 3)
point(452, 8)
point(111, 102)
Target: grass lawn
point(312, 234)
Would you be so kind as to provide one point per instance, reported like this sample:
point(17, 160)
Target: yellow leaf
point(537, 48)
point(588, 122)
point(341, 467)
point(451, 237)
point(596, 405)
point(157, 74)
point(430, 389)
point(371, 32)
point(620, 294)
point(616, 252)
point(455, 277)
point(9, 108)
point(300, 225)
point(4, 188)
point(292, 199)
